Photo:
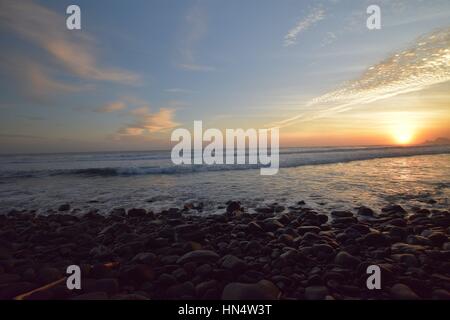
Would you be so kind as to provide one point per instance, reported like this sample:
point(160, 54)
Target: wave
point(162, 155)
point(288, 158)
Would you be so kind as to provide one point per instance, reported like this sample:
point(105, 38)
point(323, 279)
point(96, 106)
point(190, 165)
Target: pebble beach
point(272, 252)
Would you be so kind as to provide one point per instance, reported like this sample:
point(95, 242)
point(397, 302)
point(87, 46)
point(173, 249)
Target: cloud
point(423, 64)
point(47, 30)
point(178, 90)
point(112, 107)
point(42, 83)
point(131, 131)
point(195, 30)
point(136, 107)
point(141, 111)
point(196, 67)
point(18, 136)
point(302, 25)
point(37, 80)
point(329, 38)
point(147, 122)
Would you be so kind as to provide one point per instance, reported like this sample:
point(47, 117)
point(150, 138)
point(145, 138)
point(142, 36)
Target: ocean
point(326, 178)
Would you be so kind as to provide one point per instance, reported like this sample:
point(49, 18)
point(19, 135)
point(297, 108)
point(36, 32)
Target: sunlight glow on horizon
point(403, 137)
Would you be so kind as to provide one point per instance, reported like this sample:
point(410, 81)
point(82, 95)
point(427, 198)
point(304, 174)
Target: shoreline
point(277, 253)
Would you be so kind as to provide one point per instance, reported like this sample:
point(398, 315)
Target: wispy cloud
point(37, 80)
point(46, 29)
point(302, 25)
point(178, 90)
point(112, 107)
point(195, 30)
point(329, 38)
point(196, 67)
point(147, 122)
point(18, 136)
point(425, 63)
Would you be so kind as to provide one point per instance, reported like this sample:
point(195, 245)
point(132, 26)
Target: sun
point(403, 134)
point(403, 138)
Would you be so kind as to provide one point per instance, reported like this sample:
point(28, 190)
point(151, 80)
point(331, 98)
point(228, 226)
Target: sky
point(139, 69)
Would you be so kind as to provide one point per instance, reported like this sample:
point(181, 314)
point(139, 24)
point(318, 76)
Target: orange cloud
point(42, 83)
point(36, 79)
point(46, 29)
point(150, 122)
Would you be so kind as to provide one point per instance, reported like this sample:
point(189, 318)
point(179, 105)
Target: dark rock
point(441, 294)
point(253, 247)
point(254, 227)
point(138, 273)
point(99, 270)
point(316, 293)
point(199, 256)
point(375, 239)
point(137, 212)
point(118, 212)
point(203, 270)
point(233, 206)
point(166, 279)
point(343, 222)
point(92, 296)
point(398, 222)
point(393, 208)
point(401, 247)
point(417, 240)
point(272, 224)
point(346, 260)
point(12, 290)
point(365, 211)
point(110, 286)
point(233, 263)
point(183, 228)
point(341, 214)
point(286, 239)
point(409, 259)
point(203, 287)
point(145, 258)
point(115, 229)
point(173, 213)
point(64, 207)
point(181, 291)
point(291, 255)
point(262, 290)
point(180, 274)
point(322, 218)
point(131, 296)
point(265, 210)
point(323, 250)
point(304, 229)
point(47, 275)
point(438, 238)
point(100, 252)
point(29, 274)
point(400, 291)
point(9, 278)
